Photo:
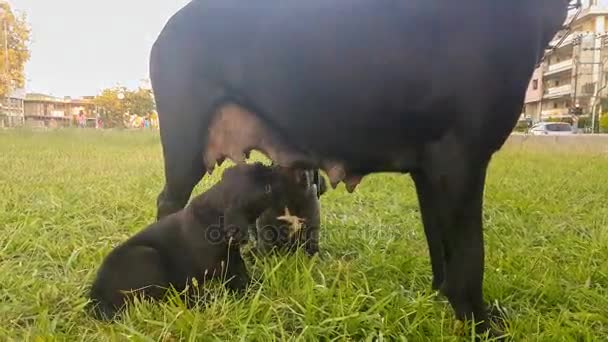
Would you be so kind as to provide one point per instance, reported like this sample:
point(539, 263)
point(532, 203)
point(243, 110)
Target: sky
point(81, 46)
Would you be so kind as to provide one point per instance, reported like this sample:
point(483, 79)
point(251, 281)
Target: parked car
point(552, 128)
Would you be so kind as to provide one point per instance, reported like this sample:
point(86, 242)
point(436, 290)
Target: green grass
point(68, 197)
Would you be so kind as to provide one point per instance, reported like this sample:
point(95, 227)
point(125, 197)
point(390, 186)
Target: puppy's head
point(258, 186)
point(300, 182)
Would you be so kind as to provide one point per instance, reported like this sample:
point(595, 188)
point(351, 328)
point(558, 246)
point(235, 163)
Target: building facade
point(573, 73)
point(12, 109)
point(46, 110)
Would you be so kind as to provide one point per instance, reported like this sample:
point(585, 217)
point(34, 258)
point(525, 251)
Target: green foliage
point(111, 106)
point(521, 126)
point(139, 102)
point(114, 103)
point(70, 196)
point(15, 31)
point(584, 122)
point(604, 123)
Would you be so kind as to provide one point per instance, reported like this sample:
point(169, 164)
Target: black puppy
point(285, 230)
point(201, 241)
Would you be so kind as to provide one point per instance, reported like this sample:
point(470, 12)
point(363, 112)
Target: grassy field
point(66, 198)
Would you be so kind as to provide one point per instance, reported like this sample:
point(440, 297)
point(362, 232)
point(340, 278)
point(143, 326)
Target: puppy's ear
point(302, 177)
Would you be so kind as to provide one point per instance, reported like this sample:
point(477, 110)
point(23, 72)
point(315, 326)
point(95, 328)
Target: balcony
point(559, 67)
point(593, 10)
point(556, 92)
point(566, 42)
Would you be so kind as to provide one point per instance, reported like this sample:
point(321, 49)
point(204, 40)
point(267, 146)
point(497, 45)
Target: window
point(557, 83)
point(559, 127)
point(535, 84)
point(555, 105)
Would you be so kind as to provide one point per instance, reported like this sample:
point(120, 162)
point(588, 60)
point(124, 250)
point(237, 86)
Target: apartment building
point(42, 109)
point(573, 74)
point(12, 108)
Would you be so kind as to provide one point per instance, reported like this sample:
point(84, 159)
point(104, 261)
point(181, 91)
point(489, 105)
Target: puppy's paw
point(238, 283)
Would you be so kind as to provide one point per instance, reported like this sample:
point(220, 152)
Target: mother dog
point(427, 87)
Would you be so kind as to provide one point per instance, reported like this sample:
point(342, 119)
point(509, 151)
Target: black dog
point(201, 241)
point(278, 230)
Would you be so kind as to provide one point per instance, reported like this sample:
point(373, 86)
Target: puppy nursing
point(202, 241)
point(296, 225)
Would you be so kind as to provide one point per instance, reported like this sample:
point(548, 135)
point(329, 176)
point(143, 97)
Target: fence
point(596, 143)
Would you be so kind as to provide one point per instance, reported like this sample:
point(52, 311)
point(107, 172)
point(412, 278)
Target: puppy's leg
point(236, 226)
point(126, 272)
point(236, 272)
point(271, 232)
point(312, 215)
point(309, 210)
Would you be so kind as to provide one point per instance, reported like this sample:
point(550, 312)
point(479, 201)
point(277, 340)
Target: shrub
point(584, 122)
point(522, 126)
point(552, 119)
point(604, 123)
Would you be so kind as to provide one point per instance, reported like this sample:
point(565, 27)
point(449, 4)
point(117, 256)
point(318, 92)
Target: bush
point(552, 119)
point(522, 126)
point(584, 122)
point(114, 103)
point(604, 123)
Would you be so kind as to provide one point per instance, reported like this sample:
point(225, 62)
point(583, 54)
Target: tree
point(114, 103)
point(14, 40)
point(111, 106)
point(140, 102)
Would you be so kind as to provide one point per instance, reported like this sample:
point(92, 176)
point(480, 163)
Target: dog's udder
point(234, 132)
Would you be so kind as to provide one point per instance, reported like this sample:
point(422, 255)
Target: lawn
point(68, 197)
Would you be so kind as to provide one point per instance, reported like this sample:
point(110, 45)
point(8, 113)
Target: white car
point(552, 128)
